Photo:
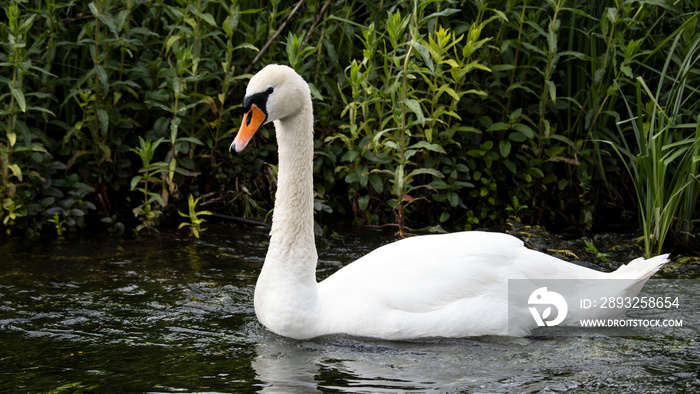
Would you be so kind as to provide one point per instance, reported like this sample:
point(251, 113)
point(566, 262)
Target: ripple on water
point(170, 314)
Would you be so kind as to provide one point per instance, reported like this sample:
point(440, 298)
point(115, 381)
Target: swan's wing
point(422, 273)
point(456, 283)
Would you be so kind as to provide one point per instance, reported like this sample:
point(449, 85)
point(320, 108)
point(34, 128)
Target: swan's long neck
point(292, 220)
point(286, 295)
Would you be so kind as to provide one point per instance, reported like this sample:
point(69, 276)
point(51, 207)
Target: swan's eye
point(258, 99)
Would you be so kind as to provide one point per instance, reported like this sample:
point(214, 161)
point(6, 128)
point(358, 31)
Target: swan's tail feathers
point(639, 271)
point(641, 268)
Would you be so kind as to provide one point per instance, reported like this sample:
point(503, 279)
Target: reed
point(663, 159)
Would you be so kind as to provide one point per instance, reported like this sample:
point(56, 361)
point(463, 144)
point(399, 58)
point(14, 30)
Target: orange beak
point(252, 121)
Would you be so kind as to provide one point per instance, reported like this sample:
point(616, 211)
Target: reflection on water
point(167, 314)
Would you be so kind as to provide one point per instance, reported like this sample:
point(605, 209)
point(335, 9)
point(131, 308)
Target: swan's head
point(274, 93)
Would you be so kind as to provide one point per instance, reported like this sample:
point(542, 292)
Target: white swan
point(451, 285)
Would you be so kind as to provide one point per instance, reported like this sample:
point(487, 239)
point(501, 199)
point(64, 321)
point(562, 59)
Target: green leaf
point(428, 146)
point(500, 14)
point(379, 158)
point(518, 85)
point(349, 156)
point(246, 45)
point(517, 137)
point(41, 109)
point(468, 129)
point(552, 90)
point(16, 171)
point(363, 202)
point(445, 12)
point(109, 21)
point(498, 126)
point(453, 198)
point(19, 96)
point(93, 9)
point(170, 42)
point(156, 197)
point(171, 168)
point(627, 70)
point(208, 18)
point(353, 176)
point(511, 167)
point(102, 76)
point(450, 62)
point(399, 176)
point(193, 140)
point(104, 121)
point(537, 172)
point(424, 53)
point(525, 129)
point(185, 172)
point(475, 65)
point(438, 184)
point(414, 106)
point(576, 54)
point(135, 181)
point(552, 37)
point(376, 181)
point(447, 89)
point(430, 171)
point(554, 151)
point(504, 148)
point(453, 114)
point(477, 92)
point(229, 24)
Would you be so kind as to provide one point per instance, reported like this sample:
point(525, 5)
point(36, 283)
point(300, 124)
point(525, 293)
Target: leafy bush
point(448, 114)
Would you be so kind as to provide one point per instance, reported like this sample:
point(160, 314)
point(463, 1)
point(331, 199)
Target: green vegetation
point(664, 163)
point(442, 114)
point(591, 248)
point(195, 223)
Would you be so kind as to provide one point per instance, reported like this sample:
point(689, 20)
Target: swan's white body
point(451, 285)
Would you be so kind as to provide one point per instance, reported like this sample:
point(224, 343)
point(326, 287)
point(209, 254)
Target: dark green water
point(168, 314)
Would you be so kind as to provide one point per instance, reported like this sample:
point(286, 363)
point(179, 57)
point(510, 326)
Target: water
point(168, 314)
